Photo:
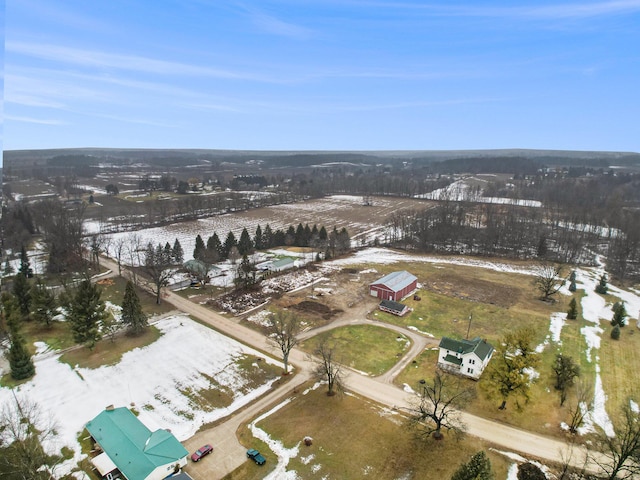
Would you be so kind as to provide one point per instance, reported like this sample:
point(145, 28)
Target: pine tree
point(602, 286)
point(478, 468)
point(168, 252)
point(177, 253)
point(258, 240)
point(25, 264)
point(245, 245)
point(86, 312)
point(8, 269)
point(615, 333)
point(619, 314)
point(299, 236)
point(572, 313)
point(267, 240)
point(20, 361)
point(198, 251)
point(132, 314)
point(572, 286)
point(229, 243)
point(22, 292)
point(43, 303)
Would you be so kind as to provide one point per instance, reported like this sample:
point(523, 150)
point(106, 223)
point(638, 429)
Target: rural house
point(464, 357)
point(394, 308)
point(131, 450)
point(394, 286)
point(276, 265)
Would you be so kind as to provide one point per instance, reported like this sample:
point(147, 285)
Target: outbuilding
point(131, 450)
point(395, 308)
point(394, 286)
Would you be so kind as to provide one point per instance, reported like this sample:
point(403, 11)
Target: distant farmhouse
point(131, 450)
point(464, 357)
point(277, 265)
point(394, 286)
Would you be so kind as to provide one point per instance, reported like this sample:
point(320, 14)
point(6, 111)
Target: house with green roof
point(131, 450)
point(464, 357)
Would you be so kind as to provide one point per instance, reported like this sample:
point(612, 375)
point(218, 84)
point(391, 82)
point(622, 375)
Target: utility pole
point(469, 327)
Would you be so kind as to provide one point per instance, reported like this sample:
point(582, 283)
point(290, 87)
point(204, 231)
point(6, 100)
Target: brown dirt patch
point(475, 290)
point(316, 308)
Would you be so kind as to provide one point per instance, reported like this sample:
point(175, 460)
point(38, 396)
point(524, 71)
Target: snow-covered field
point(155, 379)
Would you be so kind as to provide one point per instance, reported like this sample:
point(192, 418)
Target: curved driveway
point(228, 454)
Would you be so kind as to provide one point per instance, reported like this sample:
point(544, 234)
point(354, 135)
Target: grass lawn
point(107, 352)
point(113, 291)
point(366, 348)
point(354, 438)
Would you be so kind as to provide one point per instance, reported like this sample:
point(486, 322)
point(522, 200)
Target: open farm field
point(362, 222)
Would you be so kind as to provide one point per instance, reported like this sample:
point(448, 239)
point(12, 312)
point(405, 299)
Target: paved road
point(228, 454)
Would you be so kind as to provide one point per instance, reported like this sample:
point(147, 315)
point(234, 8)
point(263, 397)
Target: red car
point(201, 452)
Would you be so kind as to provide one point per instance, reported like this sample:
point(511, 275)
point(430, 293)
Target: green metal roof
point(132, 447)
point(283, 262)
point(480, 347)
point(452, 359)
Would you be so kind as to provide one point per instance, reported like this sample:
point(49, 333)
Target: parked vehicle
point(201, 452)
point(256, 456)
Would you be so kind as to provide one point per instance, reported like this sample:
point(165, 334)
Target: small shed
point(394, 286)
point(464, 357)
point(282, 264)
point(395, 308)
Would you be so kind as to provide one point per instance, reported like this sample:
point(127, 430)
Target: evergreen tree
point(572, 313)
point(279, 238)
point(299, 236)
point(43, 303)
point(529, 471)
point(229, 243)
point(25, 264)
point(602, 286)
point(619, 314)
point(132, 314)
point(307, 235)
point(198, 251)
point(258, 240)
point(20, 361)
point(245, 245)
point(22, 292)
point(290, 236)
point(168, 252)
point(572, 276)
point(615, 333)
point(86, 312)
point(8, 269)
point(214, 249)
point(572, 286)
point(267, 240)
point(177, 253)
point(322, 234)
point(478, 468)
point(245, 274)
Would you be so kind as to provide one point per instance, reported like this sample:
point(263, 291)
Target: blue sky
point(322, 74)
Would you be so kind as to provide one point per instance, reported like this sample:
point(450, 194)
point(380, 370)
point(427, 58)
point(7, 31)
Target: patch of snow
point(634, 406)
point(73, 396)
point(306, 460)
point(407, 388)
point(276, 446)
point(416, 329)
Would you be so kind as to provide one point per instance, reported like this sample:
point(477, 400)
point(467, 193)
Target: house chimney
point(109, 408)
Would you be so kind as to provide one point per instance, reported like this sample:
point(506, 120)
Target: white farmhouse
point(464, 357)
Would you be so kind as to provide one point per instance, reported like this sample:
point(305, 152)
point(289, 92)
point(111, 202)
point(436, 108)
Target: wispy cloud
point(40, 121)
point(561, 11)
point(276, 26)
point(98, 59)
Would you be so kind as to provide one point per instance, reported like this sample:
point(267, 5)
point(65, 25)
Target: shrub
point(615, 333)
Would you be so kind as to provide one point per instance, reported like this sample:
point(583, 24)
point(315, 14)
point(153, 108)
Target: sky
point(322, 74)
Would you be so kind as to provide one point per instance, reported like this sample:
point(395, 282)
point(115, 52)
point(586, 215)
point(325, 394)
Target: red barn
point(394, 286)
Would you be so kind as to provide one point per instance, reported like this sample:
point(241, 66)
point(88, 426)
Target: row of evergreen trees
point(85, 312)
point(214, 250)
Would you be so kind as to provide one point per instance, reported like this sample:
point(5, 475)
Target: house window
point(472, 361)
point(469, 370)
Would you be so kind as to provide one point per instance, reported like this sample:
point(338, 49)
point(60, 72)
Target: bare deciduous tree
point(439, 404)
point(24, 428)
point(582, 403)
point(548, 280)
point(282, 329)
point(621, 451)
point(328, 369)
